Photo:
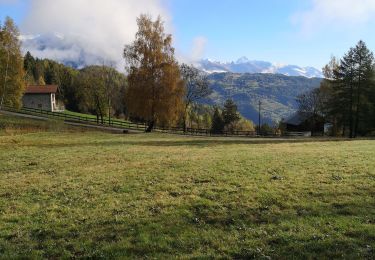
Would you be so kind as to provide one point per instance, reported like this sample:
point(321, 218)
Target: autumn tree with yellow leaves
point(155, 90)
point(12, 83)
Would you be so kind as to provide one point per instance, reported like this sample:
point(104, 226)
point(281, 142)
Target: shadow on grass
point(210, 231)
point(188, 141)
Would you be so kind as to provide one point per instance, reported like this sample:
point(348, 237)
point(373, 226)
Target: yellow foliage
point(155, 90)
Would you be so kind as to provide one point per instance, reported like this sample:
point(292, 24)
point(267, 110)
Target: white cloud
point(334, 14)
point(199, 47)
point(101, 28)
point(195, 52)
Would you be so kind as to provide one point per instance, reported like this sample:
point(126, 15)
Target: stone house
point(42, 97)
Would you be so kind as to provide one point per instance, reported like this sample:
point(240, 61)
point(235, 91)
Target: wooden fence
point(126, 125)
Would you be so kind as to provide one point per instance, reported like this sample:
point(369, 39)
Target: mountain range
point(244, 65)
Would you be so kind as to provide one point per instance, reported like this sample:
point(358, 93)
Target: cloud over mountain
point(89, 31)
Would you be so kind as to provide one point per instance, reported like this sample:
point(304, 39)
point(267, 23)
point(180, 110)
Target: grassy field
point(90, 194)
point(71, 113)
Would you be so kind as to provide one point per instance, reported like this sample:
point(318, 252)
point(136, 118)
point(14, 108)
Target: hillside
point(276, 92)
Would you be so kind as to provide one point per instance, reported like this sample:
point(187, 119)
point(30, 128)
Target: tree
point(115, 84)
point(330, 69)
point(99, 90)
point(311, 104)
point(155, 89)
point(243, 125)
point(29, 66)
point(217, 122)
point(230, 114)
point(364, 71)
point(12, 73)
point(196, 87)
point(93, 91)
point(353, 80)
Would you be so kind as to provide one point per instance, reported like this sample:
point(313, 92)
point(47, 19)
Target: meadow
point(73, 194)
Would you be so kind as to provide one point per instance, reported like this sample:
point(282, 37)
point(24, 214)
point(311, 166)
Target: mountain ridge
point(245, 65)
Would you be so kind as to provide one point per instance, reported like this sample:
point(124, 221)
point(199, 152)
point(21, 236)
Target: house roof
point(298, 118)
point(47, 89)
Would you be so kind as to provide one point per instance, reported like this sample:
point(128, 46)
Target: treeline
point(98, 90)
point(346, 97)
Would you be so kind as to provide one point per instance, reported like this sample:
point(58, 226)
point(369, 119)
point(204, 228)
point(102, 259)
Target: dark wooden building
point(304, 122)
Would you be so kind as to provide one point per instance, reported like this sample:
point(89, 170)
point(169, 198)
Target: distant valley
point(276, 92)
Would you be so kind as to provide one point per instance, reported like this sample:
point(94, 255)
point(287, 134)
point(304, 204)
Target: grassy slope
point(96, 194)
point(67, 112)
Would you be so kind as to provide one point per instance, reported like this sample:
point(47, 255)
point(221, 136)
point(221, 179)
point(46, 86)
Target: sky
point(300, 32)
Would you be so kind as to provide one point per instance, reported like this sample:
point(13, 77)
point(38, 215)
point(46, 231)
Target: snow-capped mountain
point(244, 65)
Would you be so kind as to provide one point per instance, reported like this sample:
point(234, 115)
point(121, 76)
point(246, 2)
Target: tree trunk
point(351, 112)
point(184, 119)
point(357, 107)
point(313, 125)
point(101, 115)
point(150, 126)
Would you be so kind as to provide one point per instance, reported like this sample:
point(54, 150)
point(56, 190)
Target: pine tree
point(29, 66)
point(230, 114)
point(351, 87)
point(217, 122)
point(12, 72)
point(364, 60)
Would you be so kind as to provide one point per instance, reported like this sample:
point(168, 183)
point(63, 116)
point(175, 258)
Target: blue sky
point(301, 32)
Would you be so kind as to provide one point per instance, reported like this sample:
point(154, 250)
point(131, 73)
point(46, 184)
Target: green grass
point(10, 125)
point(67, 194)
point(67, 112)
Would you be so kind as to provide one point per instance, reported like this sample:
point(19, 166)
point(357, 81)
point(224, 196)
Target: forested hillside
point(276, 92)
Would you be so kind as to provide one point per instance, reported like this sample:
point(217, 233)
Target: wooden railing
point(126, 125)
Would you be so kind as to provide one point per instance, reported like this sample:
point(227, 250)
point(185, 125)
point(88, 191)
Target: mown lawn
point(90, 194)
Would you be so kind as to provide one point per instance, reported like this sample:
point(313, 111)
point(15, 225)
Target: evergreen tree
point(352, 82)
point(364, 60)
point(29, 66)
point(230, 114)
point(217, 122)
point(12, 72)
